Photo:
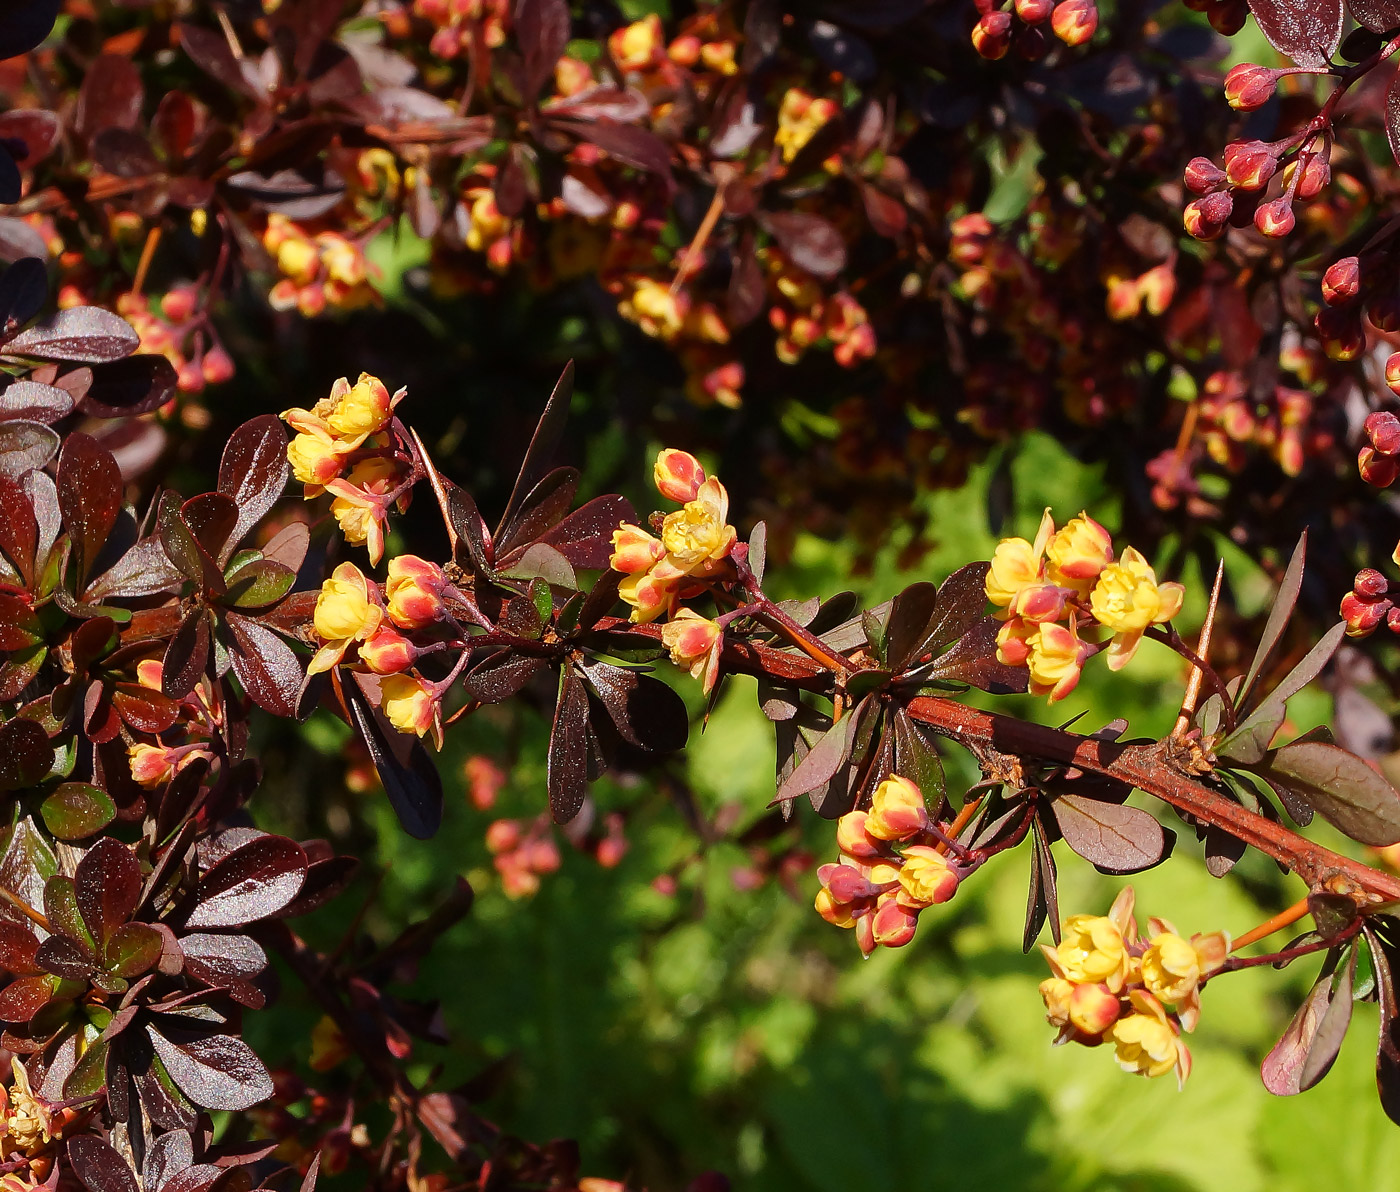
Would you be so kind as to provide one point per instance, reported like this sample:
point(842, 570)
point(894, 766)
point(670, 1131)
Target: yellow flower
point(344, 614)
point(1172, 968)
point(363, 411)
point(896, 810)
point(694, 642)
point(1145, 1042)
point(1056, 659)
point(298, 259)
point(359, 506)
point(640, 45)
point(655, 309)
point(1078, 553)
point(648, 595)
point(413, 592)
point(924, 878)
point(1057, 992)
point(836, 913)
point(1093, 949)
point(678, 474)
point(316, 459)
point(1093, 1009)
point(1127, 599)
point(409, 704)
point(28, 1124)
point(634, 550)
point(696, 534)
point(1016, 564)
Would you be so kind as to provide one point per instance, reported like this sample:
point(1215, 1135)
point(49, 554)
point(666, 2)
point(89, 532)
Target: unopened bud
point(991, 36)
point(1250, 164)
point(1392, 372)
point(1370, 584)
point(1383, 429)
point(1342, 281)
point(1343, 337)
point(1074, 21)
point(1034, 11)
point(1203, 176)
point(1376, 469)
point(1384, 312)
point(1275, 219)
point(1363, 616)
point(1205, 218)
point(1317, 173)
point(1392, 619)
point(1249, 86)
point(1092, 1009)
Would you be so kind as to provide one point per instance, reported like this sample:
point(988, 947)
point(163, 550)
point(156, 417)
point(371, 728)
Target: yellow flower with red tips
point(694, 642)
point(634, 550)
point(361, 505)
point(698, 533)
point(411, 705)
point(1056, 659)
point(316, 459)
point(1173, 968)
point(648, 595)
point(413, 592)
point(677, 474)
point(1094, 949)
point(925, 878)
point(897, 810)
point(1017, 564)
point(1078, 553)
point(1127, 599)
point(345, 613)
point(1146, 1042)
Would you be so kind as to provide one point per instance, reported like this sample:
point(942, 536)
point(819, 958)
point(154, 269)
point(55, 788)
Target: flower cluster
point(1108, 986)
point(199, 717)
point(319, 270)
point(1047, 591)
point(1236, 195)
point(891, 868)
point(692, 551)
point(178, 328)
point(1022, 24)
point(342, 447)
point(522, 852)
point(1379, 459)
point(387, 629)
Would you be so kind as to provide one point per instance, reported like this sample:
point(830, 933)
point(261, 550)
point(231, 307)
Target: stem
point(148, 251)
point(963, 818)
point(808, 643)
point(24, 908)
point(1269, 926)
point(1170, 638)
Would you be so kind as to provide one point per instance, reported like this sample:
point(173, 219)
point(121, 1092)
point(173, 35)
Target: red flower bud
point(1392, 619)
point(1384, 312)
point(1317, 173)
point(1343, 337)
point(1249, 86)
point(1379, 470)
point(1074, 21)
point(1392, 372)
point(1342, 281)
point(1275, 219)
point(1250, 164)
point(1383, 429)
point(991, 36)
point(1203, 176)
point(1205, 218)
point(1034, 11)
point(1370, 584)
point(1363, 616)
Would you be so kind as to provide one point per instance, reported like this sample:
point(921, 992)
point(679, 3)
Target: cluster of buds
point(458, 25)
point(1022, 24)
point(800, 117)
point(804, 316)
point(320, 270)
point(343, 446)
point(384, 631)
point(179, 329)
point(1236, 195)
point(1353, 287)
point(1231, 417)
point(1047, 591)
point(1379, 459)
point(201, 716)
point(1108, 986)
point(892, 868)
point(1368, 604)
point(1129, 295)
point(692, 551)
point(522, 852)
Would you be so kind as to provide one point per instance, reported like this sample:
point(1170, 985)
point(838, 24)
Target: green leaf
point(77, 810)
point(544, 600)
point(1339, 786)
point(132, 949)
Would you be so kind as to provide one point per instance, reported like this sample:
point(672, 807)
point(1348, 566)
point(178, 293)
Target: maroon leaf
point(542, 29)
point(25, 754)
point(174, 124)
point(23, 288)
point(1392, 117)
point(125, 388)
point(627, 143)
point(19, 241)
point(25, 447)
point(187, 655)
point(213, 1071)
point(124, 152)
point(545, 504)
point(748, 294)
point(270, 673)
point(145, 710)
point(810, 241)
point(625, 105)
point(251, 883)
point(133, 949)
point(568, 750)
point(1113, 837)
point(499, 676)
point(584, 538)
point(167, 1156)
point(324, 880)
point(89, 495)
point(21, 1000)
point(86, 334)
point(107, 884)
point(1282, 1069)
point(231, 962)
point(973, 659)
point(645, 711)
point(99, 1166)
point(289, 545)
point(39, 403)
point(19, 529)
point(111, 95)
point(64, 957)
point(823, 760)
point(211, 518)
point(254, 471)
point(209, 50)
point(1308, 31)
point(906, 629)
point(548, 431)
point(410, 778)
point(17, 947)
point(1340, 786)
point(143, 571)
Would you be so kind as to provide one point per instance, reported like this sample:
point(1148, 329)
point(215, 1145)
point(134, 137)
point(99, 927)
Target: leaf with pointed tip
point(144, 570)
point(1340, 786)
point(542, 508)
point(911, 613)
point(645, 711)
point(548, 431)
point(826, 757)
point(107, 884)
point(186, 655)
point(812, 242)
point(410, 779)
point(89, 495)
point(541, 561)
point(567, 779)
point(1279, 613)
point(253, 882)
point(83, 334)
point(99, 1166)
point(214, 1071)
point(916, 758)
point(1113, 837)
point(167, 1156)
point(542, 30)
point(126, 388)
point(1282, 1069)
point(1308, 31)
point(270, 672)
point(584, 537)
point(1331, 1029)
point(254, 472)
point(501, 675)
point(1042, 901)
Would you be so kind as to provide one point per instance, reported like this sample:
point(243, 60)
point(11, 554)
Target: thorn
point(1193, 685)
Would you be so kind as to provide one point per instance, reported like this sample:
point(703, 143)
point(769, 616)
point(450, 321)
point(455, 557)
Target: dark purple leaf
point(213, 1071)
point(906, 628)
point(916, 757)
point(24, 24)
point(626, 105)
point(626, 142)
point(1340, 786)
point(546, 503)
point(209, 50)
point(77, 810)
point(174, 124)
point(145, 710)
point(25, 447)
point(20, 627)
point(231, 962)
point(187, 655)
point(134, 385)
point(270, 673)
point(124, 152)
point(1041, 900)
point(89, 495)
point(23, 288)
point(38, 403)
point(251, 883)
point(1392, 117)
point(17, 947)
point(22, 999)
point(143, 571)
point(99, 1166)
point(19, 241)
point(1379, 16)
point(973, 659)
point(297, 194)
point(107, 884)
point(254, 471)
point(747, 296)
point(324, 880)
point(584, 538)
point(1308, 31)
point(645, 711)
point(167, 1156)
point(1113, 837)
point(111, 95)
point(211, 518)
point(84, 334)
point(568, 750)
point(1279, 611)
point(410, 778)
point(542, 31)
point(810, 241)
point(1331, 1030)
point(1282, 1069)
point(822, 762)
point(548, 431)
point(64, 957)
point(25, 754)
point(500, 676)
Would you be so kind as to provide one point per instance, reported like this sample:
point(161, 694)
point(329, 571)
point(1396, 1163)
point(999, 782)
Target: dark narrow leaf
point(254, 472)
point(251, 883)
point(916, 758)
point(1041, 902)
point(167, 1156)
point(99, 1166)
point(545, 504)
point(64, 957)
point(213, 1071)
point(84, 334)
point(548, 432)
point(911, 613)
point(1388, 1043)
point(542, 29)
point(822, 762)
point(961, 604)
point(186, 656)
point(1308, 31)
point(568, 750)
point(410, 779)
point(89, 495)
point(1331, 1030)
point(1340, 786)
point(1222, 851)
point(23, 288)
point(125, 388)
point(973, 659)
point(1279, 613)
point(1113, 837)
point(499, 676)
point(645, 711)
point(1392, 117)
point(627, 143)
point(584, 537)
point(107, 885)
point(270, 672)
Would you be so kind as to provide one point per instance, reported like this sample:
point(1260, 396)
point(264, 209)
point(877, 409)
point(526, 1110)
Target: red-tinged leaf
point(308, 1181)
point(77, 810)
point(25, 447)
point(231, 962)
point(1308, 31)
point(568, 750)
point(973, 659)
point(124, 152)
point(131, 386)
point(270, 672)
point(187, 655)
point(584, 538)
point(499, 676)
point(1379, 16)
point(17, 947)
point(143, 709)
point(254, 471)
point(916, 757)
point(174, 125)
point(19, 529)
point(60, 898)
point(111, 95)
point(107, 884)
point(1392, 117)
point(258, 583)
point(144, 570)
point(25, 754)
point(99, 1166)
point(410, 778)
point(85, 334)
point(1331, 1029)
point(297, 194)
point(826, 756)
point(542, 508)
point(810, 241)
point(906, 628)
point(289, 545)
point(626, 105)
point(887, 215)
point(133, 949)
point(213, 1071)
point(644, 710)
point(20, 627)
point(211, 518)
point(167, 1156)
point(89, 495)
point(66, 958)
point(35, 402)
point(22, 999)
point(251, 883)
point(1282, 1069)
point(626, 143)
point(1341, 787)
point(542, 31)
point(747, 296)
point(25, 866)
point(1113, 837)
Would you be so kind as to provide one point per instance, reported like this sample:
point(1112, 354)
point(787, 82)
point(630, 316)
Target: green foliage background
point(736, 1030)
